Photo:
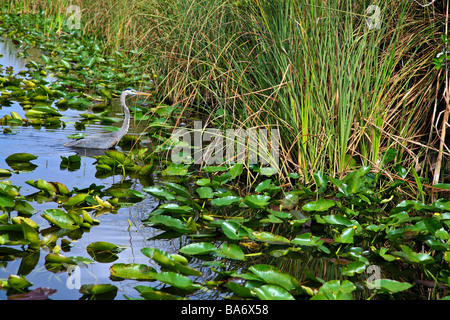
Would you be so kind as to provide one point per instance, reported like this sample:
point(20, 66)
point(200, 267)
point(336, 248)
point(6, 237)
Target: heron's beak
point(143, 93)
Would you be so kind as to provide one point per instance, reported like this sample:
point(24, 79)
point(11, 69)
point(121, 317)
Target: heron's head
point(132, 92)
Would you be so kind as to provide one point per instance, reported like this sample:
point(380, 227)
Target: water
point(123, 228)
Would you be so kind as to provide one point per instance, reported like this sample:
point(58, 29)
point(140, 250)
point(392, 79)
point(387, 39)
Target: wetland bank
point(357, 209)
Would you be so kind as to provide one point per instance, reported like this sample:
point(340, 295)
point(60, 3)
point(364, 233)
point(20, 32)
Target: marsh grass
point(341, 93)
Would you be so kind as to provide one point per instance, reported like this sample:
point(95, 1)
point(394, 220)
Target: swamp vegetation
point(358, 208)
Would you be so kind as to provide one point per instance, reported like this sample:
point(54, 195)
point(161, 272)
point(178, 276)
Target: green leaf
point(175, 208)
point(198, 248)
point(176, 169)
point(272, 275)
point(272, 292)
point(159, 193)
point(236, 170)
point(20, 157)
point(60, 219)
point(178, 189)
point(170, 222)
point(177, 280)
point(97, 289)
point(234, 230)
point(172, 262)
point(268, 237)
point(335, 290)
point(103, 251)
point(31, 235)
point(230, 251)
point(256, 201)
point(225, 201)
point(319, 205)
point(205, 193)
point(337, 220)
point(134, 271)
point(388, 286)
point(263, 185)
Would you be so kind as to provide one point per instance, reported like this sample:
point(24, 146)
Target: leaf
point(177, 280)
point(205, 193)
point(236, 170)
point(268, 237)
point(97, 289)
point(388, 286)
point(178, 189)
point(31, 235)
point(20, 157)
point(170, 222)
point(234, 230)
point(272, 275)
point(175, 208)
point(133, 271)
point(319, 205)
point(256, 201)
point(77, 199)
point(272, 292)
point(230, 251)
point(225, 201)
point(176, 169)
point(263, 185)
point(59, 218)
point(198, 248)
point(176, 263)
point(336, 220)
point(103, 251)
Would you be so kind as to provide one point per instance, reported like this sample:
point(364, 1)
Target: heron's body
point(111, 139)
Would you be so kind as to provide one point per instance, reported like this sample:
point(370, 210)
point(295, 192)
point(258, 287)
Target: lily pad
point(319, 205)
point(198, 248)
point(134, 271)
point(177, 280)
point(272, 292)
point(225, 201)
point(256, 201)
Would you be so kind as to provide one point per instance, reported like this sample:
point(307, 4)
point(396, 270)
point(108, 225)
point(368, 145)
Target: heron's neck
point(126, 121)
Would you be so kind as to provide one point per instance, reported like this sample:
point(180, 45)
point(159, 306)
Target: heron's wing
point(96, 141)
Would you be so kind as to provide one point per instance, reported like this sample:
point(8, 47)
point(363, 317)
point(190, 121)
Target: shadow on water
point(123, 228)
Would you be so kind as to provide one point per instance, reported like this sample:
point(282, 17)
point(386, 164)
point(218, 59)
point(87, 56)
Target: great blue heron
point(108, 140)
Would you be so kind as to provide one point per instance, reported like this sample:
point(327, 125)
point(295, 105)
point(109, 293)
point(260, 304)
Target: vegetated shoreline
point(252, 65)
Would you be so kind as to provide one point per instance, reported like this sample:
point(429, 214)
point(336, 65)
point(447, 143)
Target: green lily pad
point(20, 157)
point(170, 222)
point(133, 271)
point(198, 248)
point(319, 205)
point(268, 237)
point(388, 286)
point(97, 289)
point(103, 251)
point(225, 201)
point(59, 218)
point(256, 201)
point(175, 208)
point(272, 275)
point(177, 280)
point(159, 193)
point(272, 292)
point(230, 251)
